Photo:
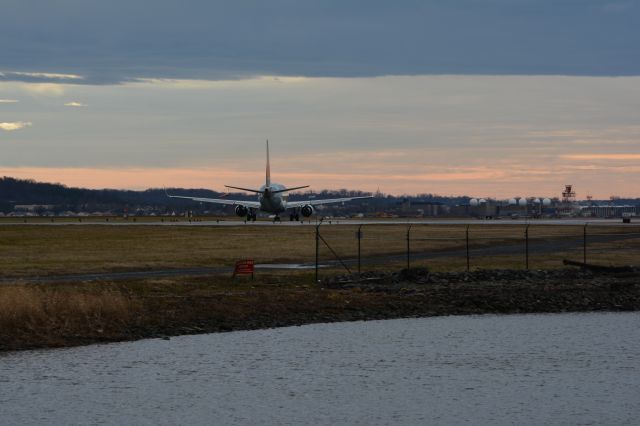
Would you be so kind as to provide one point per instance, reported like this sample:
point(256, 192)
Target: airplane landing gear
point(251, 216)
point(294, 216)
point(276, 219)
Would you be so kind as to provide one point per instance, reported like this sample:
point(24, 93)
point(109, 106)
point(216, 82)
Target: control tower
point(568, 207)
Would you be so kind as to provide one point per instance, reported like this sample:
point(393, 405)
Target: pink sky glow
point(472, 182)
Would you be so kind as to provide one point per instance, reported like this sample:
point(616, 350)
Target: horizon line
point(396, 195)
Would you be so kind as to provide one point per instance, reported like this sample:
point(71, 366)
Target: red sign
point(244, 267)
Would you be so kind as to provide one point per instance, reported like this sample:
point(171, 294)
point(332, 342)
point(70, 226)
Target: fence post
point(467, 239)
point(584, 244)
point(526, 247)
point(359, 236)
point(317, 246)
point(409, 247)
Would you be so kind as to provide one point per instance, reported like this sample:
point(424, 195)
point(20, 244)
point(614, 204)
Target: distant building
point(483, 209)
point(423, 208)
point(32, 207)
point(609, 211)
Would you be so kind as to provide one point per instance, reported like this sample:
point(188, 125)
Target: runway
point(326, 222)
point(153, 273)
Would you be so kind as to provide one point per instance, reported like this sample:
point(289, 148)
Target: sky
point(493, 98)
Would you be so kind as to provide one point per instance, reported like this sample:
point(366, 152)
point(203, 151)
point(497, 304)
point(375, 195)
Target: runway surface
point(352, 222)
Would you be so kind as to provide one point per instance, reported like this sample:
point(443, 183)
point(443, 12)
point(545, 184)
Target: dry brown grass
point(37, 316)
point(55, 315)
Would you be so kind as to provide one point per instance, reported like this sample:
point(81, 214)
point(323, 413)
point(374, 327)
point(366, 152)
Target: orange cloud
point(587, 157)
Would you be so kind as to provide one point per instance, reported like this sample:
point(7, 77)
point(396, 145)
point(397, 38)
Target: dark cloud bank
point(118, 40)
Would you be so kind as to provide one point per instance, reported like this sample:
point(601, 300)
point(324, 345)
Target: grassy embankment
point(33, 316)
point(37, 316)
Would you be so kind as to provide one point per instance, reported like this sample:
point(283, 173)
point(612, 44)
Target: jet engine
point(307, 210)
point(241, 211)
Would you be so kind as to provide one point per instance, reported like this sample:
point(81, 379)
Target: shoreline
point(141, 310)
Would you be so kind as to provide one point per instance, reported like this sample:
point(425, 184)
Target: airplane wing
point(249, 204)
point(296, 204)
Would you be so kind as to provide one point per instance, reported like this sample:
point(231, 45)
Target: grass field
point(42, 250)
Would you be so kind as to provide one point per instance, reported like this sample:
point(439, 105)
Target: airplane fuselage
point(273, 203)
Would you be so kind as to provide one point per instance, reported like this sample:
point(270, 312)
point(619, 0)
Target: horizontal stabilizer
point(257, 191)
point(289, 189)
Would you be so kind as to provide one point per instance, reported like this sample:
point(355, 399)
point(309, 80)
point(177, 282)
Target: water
point(522, 369)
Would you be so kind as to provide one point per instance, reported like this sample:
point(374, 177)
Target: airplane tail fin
point(268, 172)
point(267, 189)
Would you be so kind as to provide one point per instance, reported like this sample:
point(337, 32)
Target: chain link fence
point(360, 248)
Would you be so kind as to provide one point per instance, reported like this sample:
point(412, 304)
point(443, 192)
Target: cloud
point(618, 7)
point(40, 77)
point(75, 104)
point(400, 133)
point(8, 101)
point(47, 89)
point(14, 125)
point(218, 39)
point(615, 157)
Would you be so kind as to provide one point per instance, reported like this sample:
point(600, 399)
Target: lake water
point(574, 369)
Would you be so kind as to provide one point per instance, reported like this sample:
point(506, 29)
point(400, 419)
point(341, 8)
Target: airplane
point(272, 198)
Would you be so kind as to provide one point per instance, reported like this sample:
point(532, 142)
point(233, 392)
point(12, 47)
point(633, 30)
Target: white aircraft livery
point(272, 198)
